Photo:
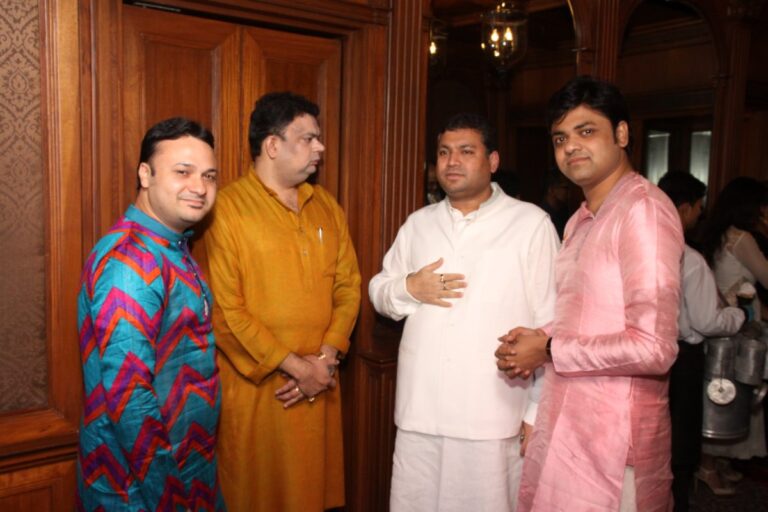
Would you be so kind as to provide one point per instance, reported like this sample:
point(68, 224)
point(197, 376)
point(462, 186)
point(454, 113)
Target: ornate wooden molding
point(54, 428)
point(330, 16)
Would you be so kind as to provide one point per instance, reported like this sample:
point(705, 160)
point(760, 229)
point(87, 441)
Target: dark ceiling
point(467, 12)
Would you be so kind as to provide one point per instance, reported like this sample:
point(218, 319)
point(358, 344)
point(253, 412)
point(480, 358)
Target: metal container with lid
point(726, 401)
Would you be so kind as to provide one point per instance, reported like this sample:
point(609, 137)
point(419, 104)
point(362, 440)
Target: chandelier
point(504, 35)
point(438, 47)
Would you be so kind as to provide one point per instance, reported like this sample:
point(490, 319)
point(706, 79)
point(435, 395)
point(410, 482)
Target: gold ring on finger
point(442, 279)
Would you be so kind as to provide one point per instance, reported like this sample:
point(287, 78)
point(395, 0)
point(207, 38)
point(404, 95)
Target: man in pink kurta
point(602, 435)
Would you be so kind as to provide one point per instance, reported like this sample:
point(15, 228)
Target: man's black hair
point(171, 129)
point(272, 113)
point(682, 188)
point(598, 95)
point(471, 121)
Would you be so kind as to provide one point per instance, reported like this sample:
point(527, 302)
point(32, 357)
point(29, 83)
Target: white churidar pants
point(445, 474)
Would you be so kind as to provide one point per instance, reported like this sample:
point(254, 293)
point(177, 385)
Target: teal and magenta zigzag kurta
point(152, 393)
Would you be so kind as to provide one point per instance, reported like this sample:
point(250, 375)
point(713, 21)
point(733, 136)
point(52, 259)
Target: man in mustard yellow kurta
point(286, 295)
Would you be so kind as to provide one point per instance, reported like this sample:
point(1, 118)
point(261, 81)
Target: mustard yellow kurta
point(282, 282)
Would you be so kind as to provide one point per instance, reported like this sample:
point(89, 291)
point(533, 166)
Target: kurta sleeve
point(540, 272)
point(387, 289)
point(701, 299)
point(242, 338)
point(534, 396)
point(649, 250)
point(127, 314)
point(540, 292)
point(346, 289)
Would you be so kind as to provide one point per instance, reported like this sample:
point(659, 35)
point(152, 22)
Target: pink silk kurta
point(614, 339)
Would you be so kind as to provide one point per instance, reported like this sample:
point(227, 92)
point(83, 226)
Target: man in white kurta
point(463, 271)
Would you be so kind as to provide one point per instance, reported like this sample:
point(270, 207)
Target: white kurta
point(447, 380)
point(701, 314)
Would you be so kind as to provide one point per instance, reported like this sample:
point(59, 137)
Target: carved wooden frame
point(50, 434)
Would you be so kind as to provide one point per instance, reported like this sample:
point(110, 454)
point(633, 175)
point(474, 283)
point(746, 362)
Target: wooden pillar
point(730, 95)
point(598, 37)
point(388, 194)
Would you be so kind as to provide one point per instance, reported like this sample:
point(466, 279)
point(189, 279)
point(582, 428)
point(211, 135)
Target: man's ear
point(270, 146)
point(145, 171)
point(622, 134)
point(494, 159)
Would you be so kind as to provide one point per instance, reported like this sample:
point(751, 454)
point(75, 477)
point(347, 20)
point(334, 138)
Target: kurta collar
point(139, 217)
point(496, 193)
point(615, 195)
point(306, 191)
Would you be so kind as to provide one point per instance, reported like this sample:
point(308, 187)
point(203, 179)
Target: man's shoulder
point(516, 215)
point(233, 190)
point(693, 258)
point(324, 195)
point(643, 190)
point(640, 195)
point(125, 249)
point(522, 208)
point(427, 213)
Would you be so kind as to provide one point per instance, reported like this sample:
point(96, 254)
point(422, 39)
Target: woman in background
point(736, 259)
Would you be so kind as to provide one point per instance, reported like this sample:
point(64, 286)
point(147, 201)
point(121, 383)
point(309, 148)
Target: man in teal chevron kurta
point(152, 393)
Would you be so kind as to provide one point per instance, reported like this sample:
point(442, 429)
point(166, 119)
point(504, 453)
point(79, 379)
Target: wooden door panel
point(179, 66)
point(307, 65)
point(49, 487)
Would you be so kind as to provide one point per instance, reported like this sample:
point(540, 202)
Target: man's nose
point(196, 184)
point(572, 145)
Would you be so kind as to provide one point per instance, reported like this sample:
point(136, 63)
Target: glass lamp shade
point(504, 35)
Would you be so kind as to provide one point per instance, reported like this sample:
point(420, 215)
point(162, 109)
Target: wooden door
point(178, 66)
point(213, 72)
point(306, 65)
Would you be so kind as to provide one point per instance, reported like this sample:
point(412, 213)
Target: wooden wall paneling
point(688, 68)
point(596, 23)
point(62, 145)
point(46, 488)
point(30, 437)
point(387, 186)
point(376, 424)
point(176, 65)
point(730, 93)
point(101, 114)
point(403, 187)
point(328, 16)
point(754, 162)
point(363, 109)
point(308, 65)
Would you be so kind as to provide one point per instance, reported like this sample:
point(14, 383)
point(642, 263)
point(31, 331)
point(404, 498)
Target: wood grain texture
point(48, 487)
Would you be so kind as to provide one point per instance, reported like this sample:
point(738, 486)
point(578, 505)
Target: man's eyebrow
point(577, 127)
point(460, 146)
point(584, 124)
